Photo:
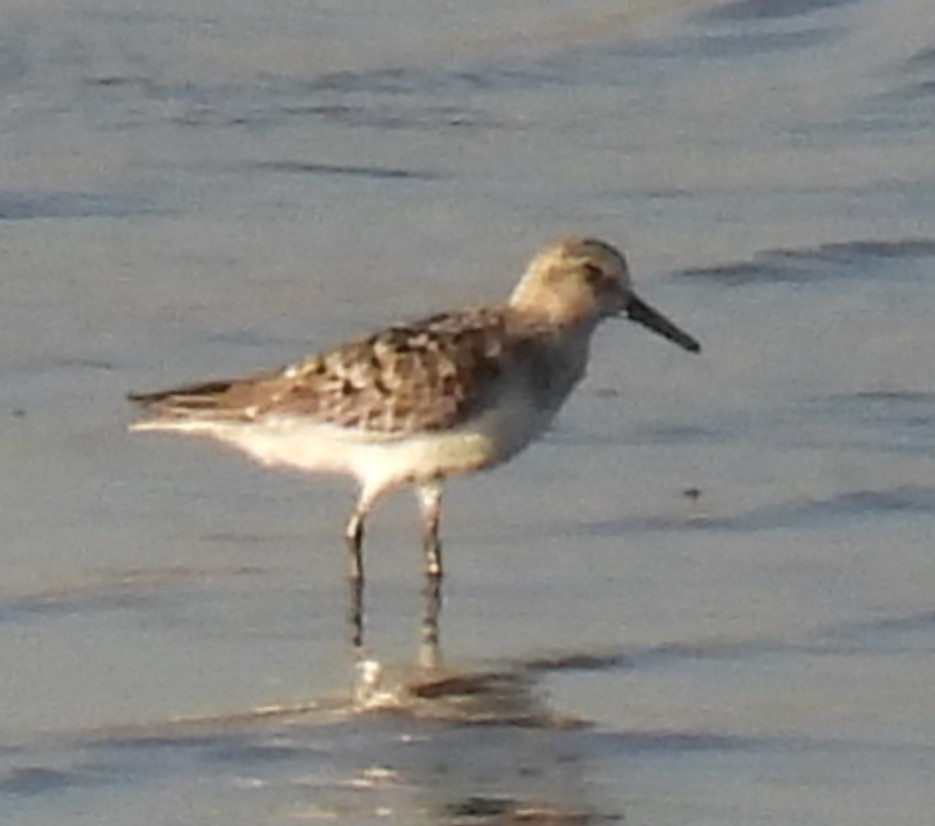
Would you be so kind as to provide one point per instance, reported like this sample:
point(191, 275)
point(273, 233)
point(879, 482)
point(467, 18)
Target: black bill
point(639, 311)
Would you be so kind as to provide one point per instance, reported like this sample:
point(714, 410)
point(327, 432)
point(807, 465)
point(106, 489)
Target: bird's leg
point(355, 616)
point(429, 648)
point(430, 505)
point(354, 536)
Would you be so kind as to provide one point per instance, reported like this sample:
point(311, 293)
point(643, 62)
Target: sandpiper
point(452, 393)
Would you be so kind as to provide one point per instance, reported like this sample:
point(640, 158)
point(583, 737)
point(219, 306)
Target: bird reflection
point(429, 688)
point(369, 689)
point(521, 764)
point(431, 740)
point(429, 646)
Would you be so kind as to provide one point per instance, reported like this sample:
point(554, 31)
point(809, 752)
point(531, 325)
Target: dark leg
point(429, 649)
point(355, 615)
point(430, 505)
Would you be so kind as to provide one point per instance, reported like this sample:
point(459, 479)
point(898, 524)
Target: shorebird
point(449, 394)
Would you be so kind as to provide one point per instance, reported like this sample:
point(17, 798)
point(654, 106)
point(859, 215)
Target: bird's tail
point(181, 408)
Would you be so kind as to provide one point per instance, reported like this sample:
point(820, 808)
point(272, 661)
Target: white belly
point(379, 460)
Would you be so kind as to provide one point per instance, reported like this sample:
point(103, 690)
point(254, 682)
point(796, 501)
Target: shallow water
point(706, 597)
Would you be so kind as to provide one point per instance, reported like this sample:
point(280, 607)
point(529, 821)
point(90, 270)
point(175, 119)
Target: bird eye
point(593, 274)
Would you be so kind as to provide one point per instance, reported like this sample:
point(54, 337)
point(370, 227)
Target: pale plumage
point(415, 403)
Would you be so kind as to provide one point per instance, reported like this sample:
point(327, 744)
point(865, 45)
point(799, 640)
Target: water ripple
point(28, 205)
point(824, 261)
point(771, 10)
point(348, 170)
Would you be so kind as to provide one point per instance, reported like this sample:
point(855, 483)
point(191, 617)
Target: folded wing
point(426, 376)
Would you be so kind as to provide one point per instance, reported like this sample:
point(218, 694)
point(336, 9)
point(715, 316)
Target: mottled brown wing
point(425, 376)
